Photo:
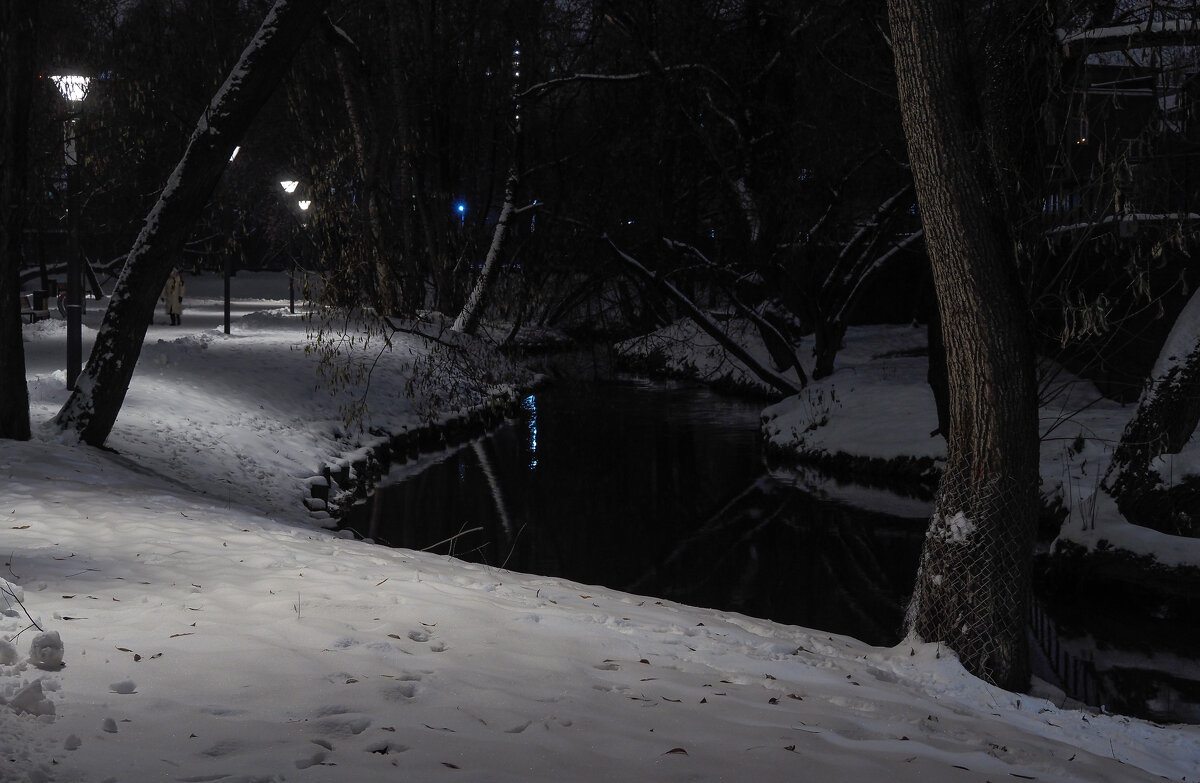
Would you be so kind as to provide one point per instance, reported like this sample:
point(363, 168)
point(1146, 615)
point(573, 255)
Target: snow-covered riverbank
point(212, 630)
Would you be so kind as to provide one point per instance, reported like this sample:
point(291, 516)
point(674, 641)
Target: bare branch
point(551, 84)
point(1168, 32)
point(665, 287)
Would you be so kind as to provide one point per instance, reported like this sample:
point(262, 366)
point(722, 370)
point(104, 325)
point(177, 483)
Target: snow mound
point(31, 700)
point(266, 318)
point(46, 650)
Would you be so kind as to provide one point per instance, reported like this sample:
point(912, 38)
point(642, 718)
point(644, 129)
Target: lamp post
point(289, 187)
point(74, 89)
point(304, 204)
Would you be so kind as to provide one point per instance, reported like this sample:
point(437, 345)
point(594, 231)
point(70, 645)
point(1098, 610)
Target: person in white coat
point(173, 295)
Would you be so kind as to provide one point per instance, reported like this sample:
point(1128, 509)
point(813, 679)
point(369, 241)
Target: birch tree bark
point(17, 28)
point(92, 409)
point(472, 312)
point(973, 585)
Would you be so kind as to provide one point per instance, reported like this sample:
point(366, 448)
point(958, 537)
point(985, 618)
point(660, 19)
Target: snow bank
point(210, 632)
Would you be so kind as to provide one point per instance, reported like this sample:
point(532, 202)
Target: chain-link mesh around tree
point(973, 589)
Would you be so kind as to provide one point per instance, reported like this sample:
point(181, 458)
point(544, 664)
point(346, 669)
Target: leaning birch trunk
point(100, 390)
point(1166, 416)
point(973, 585)
point(472, 312)
point(766, 374)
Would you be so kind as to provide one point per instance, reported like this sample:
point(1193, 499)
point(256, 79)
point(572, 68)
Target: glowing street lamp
point(462, 214)
point(289, 186)
point(74, 89)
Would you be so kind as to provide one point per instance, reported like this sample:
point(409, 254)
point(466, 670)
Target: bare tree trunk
point(17, 30)
point(973, 585)
point(368, 154)
point(766, 374)
point(858, 263)
point(472, 312)
point(92, 408)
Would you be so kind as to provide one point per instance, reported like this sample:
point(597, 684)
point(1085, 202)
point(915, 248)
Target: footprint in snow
point(402, 691)
point(316, 758)
point(340, 722)
point(226, 747)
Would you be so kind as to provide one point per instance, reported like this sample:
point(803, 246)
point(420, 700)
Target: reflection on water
point(531, 424)
point(1141, 652)
point(662, 491)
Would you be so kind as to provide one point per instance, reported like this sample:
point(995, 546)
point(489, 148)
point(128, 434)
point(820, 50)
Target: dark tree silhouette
point(17, 35)
point(92, 408)
point(973, 586)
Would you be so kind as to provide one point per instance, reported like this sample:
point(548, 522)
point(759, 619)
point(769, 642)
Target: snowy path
point(211, 632)
point(220, 645)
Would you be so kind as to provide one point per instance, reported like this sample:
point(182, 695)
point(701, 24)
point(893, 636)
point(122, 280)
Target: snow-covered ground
point(210, 629)
point(878, 404)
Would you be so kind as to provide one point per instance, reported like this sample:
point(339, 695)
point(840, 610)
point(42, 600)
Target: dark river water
point(660, 489)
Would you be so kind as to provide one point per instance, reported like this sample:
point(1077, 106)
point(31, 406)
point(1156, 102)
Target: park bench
point(28, 313)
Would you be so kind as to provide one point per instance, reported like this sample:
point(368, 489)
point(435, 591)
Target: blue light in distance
point(530, 405)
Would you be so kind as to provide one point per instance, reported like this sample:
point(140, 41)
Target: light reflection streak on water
point(530, 405)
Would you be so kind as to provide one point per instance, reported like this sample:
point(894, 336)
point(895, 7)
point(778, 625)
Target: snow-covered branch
point(771, 335)
point(706, 323)
point(1166, 32)
point(551, 84)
